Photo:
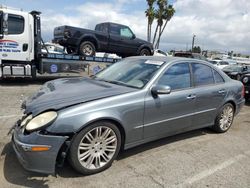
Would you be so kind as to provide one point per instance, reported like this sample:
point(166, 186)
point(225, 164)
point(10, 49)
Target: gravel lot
point(196, 159)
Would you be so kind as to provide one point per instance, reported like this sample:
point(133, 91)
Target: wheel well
point(232, 103)
point(146, 47)
point(90, 39)
point(118, 124)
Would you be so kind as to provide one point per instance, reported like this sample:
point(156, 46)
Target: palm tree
point(168, 14)
point(159, 16)
point(150, 15)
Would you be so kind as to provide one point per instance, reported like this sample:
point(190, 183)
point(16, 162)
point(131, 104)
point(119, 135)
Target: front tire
point(224, 119)
point(87, 48)
point(95, 148)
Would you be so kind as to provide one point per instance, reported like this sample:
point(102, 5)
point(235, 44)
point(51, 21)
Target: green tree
point(197, 49)
point(151, 16)
point(163, 14)
point(168, 14)
point(159, 16)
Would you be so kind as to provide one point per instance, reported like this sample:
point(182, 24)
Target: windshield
point(234, 68)
point(134, 73)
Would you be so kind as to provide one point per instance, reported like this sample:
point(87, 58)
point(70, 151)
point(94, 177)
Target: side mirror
point(133, 36)
point(160, 90)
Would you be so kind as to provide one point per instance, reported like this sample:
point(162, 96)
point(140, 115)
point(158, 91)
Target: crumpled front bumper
point(37, 161)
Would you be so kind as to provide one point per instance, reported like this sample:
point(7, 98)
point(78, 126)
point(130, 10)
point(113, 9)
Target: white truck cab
point(17, 37)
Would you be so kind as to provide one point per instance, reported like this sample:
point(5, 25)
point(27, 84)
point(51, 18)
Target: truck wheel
point(224, 119)
point(95, 148)
point(87, 49)
point(145, 52)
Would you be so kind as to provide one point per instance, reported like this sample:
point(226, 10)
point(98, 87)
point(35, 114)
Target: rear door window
point(202, 74)
point(217, 77)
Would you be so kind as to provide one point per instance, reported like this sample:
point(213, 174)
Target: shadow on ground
point(68, 171)
point(15, 174)
point(247, 102)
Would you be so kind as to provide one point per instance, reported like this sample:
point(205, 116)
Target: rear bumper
point(37, 161)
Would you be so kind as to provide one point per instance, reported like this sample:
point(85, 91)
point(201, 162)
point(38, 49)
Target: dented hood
point(60, 93)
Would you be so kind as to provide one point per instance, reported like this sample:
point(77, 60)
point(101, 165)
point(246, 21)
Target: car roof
point(166, 59)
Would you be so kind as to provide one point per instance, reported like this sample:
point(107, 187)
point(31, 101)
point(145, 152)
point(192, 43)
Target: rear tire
point(224, 119)
point(87, 48)
point(145, 52)
point(95, 148)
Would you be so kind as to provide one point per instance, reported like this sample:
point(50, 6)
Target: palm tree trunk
point(148, 33)
point(156, 30)
point(158, 41)
point(159, 36)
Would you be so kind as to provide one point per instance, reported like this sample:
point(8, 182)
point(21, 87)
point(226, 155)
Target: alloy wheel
point(97, 147)
point(226, 118)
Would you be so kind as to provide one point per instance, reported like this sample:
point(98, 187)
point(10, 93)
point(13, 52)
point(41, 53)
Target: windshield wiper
point(117, 83)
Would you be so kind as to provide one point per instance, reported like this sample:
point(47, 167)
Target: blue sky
point(221, 25)
point(63, 5)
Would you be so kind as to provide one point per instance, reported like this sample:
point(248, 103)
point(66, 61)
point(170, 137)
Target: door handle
point(191, 96)
point(221, 91)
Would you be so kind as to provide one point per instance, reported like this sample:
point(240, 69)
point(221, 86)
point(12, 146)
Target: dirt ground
point(199, 158)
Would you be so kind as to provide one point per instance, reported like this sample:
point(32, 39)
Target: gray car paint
point(142, 116)
point(65, 92)
point(128, 109)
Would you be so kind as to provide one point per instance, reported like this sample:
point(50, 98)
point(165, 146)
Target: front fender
point(74, 124)
point(127, 110)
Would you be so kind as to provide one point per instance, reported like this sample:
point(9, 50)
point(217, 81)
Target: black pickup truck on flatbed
point(107, 37)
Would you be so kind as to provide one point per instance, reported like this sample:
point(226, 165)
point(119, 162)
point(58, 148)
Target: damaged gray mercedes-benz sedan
point(134, 101)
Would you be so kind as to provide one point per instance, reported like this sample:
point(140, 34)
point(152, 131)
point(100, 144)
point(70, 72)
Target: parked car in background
point(107, 55)
point(190, 55)
point(159, 52)
point(222, 64)
point(245, 79)
point(212, 62)
point(236, 71)
point(107, 37)
point(53, 48)
point(134, 101)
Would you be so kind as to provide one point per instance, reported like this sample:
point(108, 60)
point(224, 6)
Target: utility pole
point(193, 42)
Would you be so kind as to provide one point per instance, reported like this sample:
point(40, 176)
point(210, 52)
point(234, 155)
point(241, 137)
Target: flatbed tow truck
point(20, 49)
